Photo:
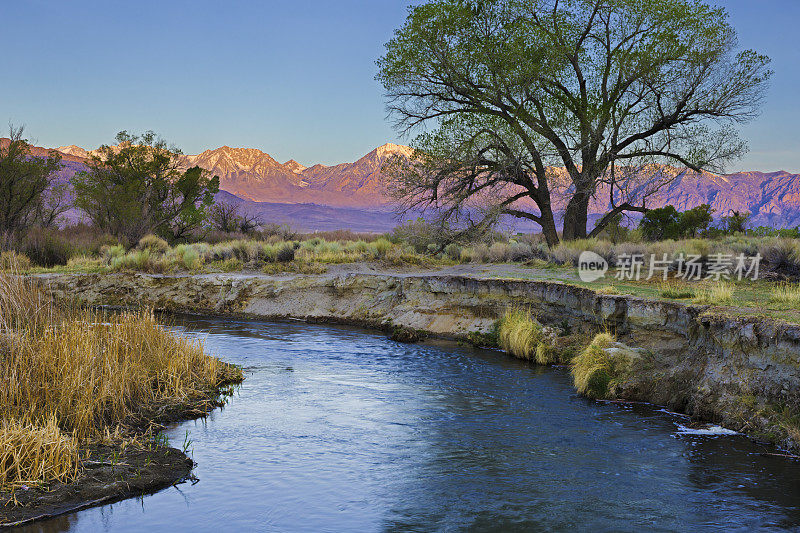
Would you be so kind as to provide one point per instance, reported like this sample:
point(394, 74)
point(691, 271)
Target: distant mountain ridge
point(772, 198)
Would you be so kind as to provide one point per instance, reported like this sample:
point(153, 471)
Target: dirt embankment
point(743, 373)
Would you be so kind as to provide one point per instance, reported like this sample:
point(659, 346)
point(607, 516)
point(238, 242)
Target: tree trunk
point(548, 223)
point(576, 215)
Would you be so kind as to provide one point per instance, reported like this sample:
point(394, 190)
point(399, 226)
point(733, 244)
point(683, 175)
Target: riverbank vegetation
point(520, 334)
point(601, 365)
point(278, 249)
point(74, 377)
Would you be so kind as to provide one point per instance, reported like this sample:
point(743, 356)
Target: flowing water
point(337, 429)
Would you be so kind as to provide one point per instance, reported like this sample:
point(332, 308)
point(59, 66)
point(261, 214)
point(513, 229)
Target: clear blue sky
point(294, 79)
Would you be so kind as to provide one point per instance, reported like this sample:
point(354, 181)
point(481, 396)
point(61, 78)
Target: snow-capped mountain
point(772, 198)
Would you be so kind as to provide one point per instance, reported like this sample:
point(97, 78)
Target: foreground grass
point(73, 376)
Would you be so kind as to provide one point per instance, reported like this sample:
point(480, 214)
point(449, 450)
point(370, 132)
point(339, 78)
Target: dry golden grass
point(30, 454)
point(520, 334)
point(14, 261)
point(86, 373)
point(592, 368)
point(602, 365)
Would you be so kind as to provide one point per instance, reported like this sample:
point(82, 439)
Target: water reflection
point(336, 429)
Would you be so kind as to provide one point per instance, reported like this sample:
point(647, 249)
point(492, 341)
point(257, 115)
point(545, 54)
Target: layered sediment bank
point(740, 372)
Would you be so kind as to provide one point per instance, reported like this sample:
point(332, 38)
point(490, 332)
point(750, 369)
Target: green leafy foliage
point(667, 223)
point(516, 88)
point(25, 181)
point(138, 187)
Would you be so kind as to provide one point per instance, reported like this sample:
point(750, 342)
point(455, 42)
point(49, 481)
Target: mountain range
point(352, 195)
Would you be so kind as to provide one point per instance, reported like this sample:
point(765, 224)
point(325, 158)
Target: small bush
point(285, 253)
point(782, 256)
point(453, 251)
point(191, 259)
point(480, 253)
point(107, 252)
point(155, 244)
point(421, 234)
point(499, 252)
point(46, 248)
point(381, 246)
point(519, 252)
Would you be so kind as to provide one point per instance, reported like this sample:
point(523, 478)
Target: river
point(339, 429)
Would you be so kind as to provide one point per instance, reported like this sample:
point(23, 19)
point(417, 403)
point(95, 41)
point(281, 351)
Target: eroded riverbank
point(741, 372)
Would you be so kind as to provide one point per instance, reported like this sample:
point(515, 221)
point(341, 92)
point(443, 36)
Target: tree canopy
point(27, 191)
point(536, 108)
point(139, 187)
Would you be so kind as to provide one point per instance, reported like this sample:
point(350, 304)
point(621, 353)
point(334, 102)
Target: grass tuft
point(521, 335)
point(32, 453)
point(14, 261)
point(675, 291)
point(592, 369)
point(719, 294)
point(786, 294)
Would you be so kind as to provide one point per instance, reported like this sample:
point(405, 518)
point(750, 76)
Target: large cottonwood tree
point(536, 106)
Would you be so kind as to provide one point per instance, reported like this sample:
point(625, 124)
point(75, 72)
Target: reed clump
point(31, 453)
point(520, 334)
point(72, 375)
